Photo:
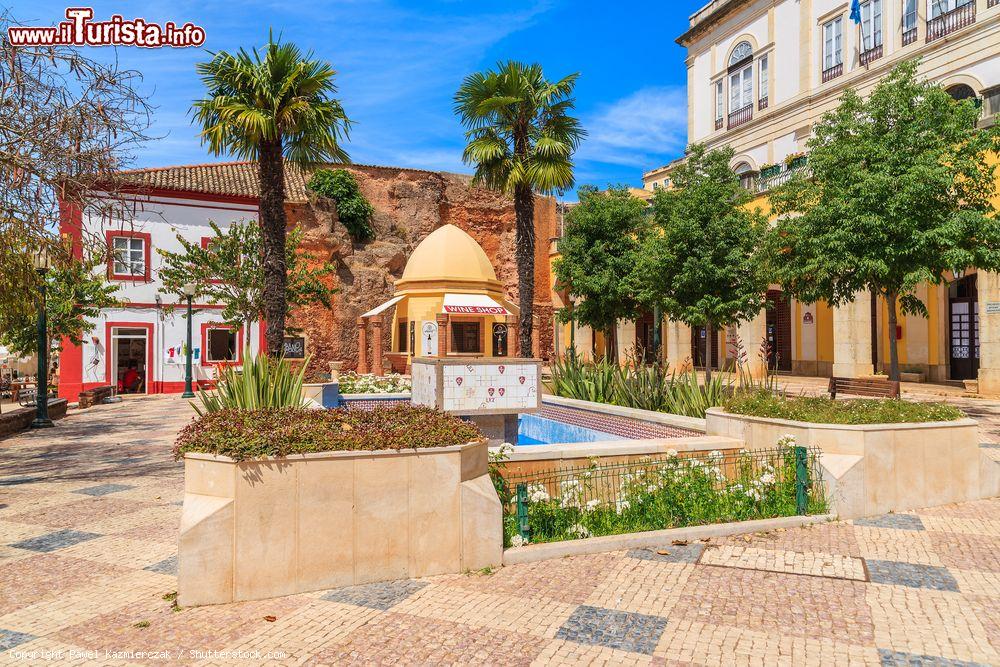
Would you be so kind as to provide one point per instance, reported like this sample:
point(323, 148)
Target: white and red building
point(145, 329)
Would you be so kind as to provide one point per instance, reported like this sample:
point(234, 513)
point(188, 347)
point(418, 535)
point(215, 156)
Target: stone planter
point(277, 526)
point(872, 469)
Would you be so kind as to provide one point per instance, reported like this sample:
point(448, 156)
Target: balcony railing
point(833, 72)
point(765, 183)
point(718, 123)
point(992, 3)
point(871, 55)
point(910, 36)
point(762, 103)
point(949, 22)
point(741, 116)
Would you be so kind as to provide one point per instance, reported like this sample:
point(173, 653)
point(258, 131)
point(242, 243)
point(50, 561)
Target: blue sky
point(399, 64)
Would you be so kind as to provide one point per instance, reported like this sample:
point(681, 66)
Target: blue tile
point(688, 553)
point(897, 521)
point(622, 630)
point(890, 658)
point(912, 575)
point(165, 566)
point(376, 596)
point(104, 489)
point(9, 639)
point(53, 541)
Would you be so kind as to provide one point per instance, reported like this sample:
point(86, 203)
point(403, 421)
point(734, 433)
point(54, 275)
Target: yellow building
point(448, 302)
point(761, 73)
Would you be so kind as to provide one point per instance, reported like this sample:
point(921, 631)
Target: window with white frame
point(939, 7)
point(741, 77)
point(762, 93)
point(871, 24)
point(833, 43)
point(720, 101)
point(909, 15)
point(129, 255)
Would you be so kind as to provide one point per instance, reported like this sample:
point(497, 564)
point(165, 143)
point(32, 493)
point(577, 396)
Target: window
point(741, 89)
point(465, 337)
point(402, 332)
point(746, 174)
point(221, 346)
point(720, 104)
point(871, 24)
point(833, 36)
point(939, 7)
point(909, 15)
point(762, 92)
point(128, 255)
point(742, 52)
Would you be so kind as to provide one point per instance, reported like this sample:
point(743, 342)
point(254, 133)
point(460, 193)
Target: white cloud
point(642, 130)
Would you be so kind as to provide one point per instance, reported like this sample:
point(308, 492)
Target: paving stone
point(165, 566)
point(103, 489)
point(628, 631)
point(9, 639)
point(890, 658)
point(898, 521)
point(913, 575)
point(376, 596)
point(687, 553)
point(56, 540)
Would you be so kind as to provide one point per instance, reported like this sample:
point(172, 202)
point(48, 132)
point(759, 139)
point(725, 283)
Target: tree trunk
point(709, 333)
point(609, 345)
point(524, 252)
point(890, 300)
point(273, 227)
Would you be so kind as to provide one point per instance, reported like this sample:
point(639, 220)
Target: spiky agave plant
point(263, 382)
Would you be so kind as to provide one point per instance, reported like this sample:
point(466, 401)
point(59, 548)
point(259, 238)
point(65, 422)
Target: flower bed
point(352, 383)
point(818, 410)
point(659, 492)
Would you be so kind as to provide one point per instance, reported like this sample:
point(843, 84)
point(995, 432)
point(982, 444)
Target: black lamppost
point(189, 290)
point(41, 262)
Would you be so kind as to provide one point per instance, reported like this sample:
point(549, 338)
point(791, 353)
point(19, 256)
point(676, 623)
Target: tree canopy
point(598, 253)
point(898, 195)
point(701, 260)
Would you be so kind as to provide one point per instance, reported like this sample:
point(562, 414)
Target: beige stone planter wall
point(877, 468)
point(259, 529)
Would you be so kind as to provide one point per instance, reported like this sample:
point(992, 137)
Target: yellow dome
point(448, 255)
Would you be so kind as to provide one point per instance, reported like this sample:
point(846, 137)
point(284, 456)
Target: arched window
point(741, 77)
point(742, 51)
point(961, 91)
point(746, 173)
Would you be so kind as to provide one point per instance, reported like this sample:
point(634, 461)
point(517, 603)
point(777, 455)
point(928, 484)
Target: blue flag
point(856, 11)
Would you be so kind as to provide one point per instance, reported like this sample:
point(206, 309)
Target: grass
point(818, 410)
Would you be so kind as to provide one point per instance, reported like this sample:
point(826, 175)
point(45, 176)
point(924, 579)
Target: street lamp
point(41, 261)
point(189, 289)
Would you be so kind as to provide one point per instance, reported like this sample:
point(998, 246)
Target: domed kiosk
point(448, 303)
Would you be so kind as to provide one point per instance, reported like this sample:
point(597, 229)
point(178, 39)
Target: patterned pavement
point(88, 525)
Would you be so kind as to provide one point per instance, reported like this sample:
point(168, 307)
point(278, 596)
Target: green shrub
point(825, 411)
point(251, 434)
point(353, 210)
point(352, 383)
point(261, 383)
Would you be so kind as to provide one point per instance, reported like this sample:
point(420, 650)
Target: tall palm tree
point(270, 106)
point(521, 140)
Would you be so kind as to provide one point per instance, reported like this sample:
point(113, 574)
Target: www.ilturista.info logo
point(80, 30)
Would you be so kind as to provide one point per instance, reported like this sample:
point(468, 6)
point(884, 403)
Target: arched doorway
point(779, 331)
point(961, 91)
point(963, 328)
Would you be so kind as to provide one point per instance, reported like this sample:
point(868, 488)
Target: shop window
point(466, 337)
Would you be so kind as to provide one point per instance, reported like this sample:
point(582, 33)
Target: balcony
point(910, 36)
point(833, 72)
point(740, 116)
point(767, 182)
point(871, 55)
point(949, 22)
point(718, 123)
point(762, 103)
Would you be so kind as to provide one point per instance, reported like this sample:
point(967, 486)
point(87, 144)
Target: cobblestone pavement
point(88, 525)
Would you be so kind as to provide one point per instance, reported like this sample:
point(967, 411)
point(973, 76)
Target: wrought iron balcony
point(718, 123)
point(762, 103)
point(871, 55)
point(910, 36)
point(741, 116)
point(949, 22)
point(764, 183)
point(833, 72)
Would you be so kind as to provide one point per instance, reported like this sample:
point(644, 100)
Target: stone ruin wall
point(409, 205)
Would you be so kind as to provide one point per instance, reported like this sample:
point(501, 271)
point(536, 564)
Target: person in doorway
point(131, 380)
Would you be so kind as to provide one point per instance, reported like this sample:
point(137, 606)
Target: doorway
point(963, 328)
point(129, 359)
point(779, 331)
point(699, 337)
point(644, 338)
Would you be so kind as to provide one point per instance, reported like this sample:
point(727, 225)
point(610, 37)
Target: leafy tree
point(230, 272)
point(353, 210)
point(521, 138)
point(268, 107)
point(899, 195)
point(598, 253)
point(74, 293)
point(701, 260)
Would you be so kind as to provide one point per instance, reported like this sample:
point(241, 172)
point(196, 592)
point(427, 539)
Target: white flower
point(767, 478)
point(593, 504)
point(518, 541)
point(537, 493)
point(671, 453)
point(753, 493)
point(715, 455)
point(578, 530)
point(621, 506)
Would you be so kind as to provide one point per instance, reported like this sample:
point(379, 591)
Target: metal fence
point(656, 492)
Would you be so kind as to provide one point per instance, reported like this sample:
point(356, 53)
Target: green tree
point(521, 138)
point(598, 252)
point(230, 272)
point(75, 292)
point(899, 195)
point(271, 106)
point(701, 261)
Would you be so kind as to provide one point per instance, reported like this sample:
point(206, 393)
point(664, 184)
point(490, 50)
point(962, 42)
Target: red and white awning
point(472, 304)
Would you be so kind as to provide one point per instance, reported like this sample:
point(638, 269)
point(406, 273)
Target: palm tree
point(270, 106)
point(521, 140)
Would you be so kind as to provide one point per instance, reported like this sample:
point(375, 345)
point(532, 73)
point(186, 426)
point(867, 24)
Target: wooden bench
point(871, 388)
point(95, 396)
point(26, 398)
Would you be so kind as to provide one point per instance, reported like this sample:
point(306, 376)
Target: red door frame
point(151, 387)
